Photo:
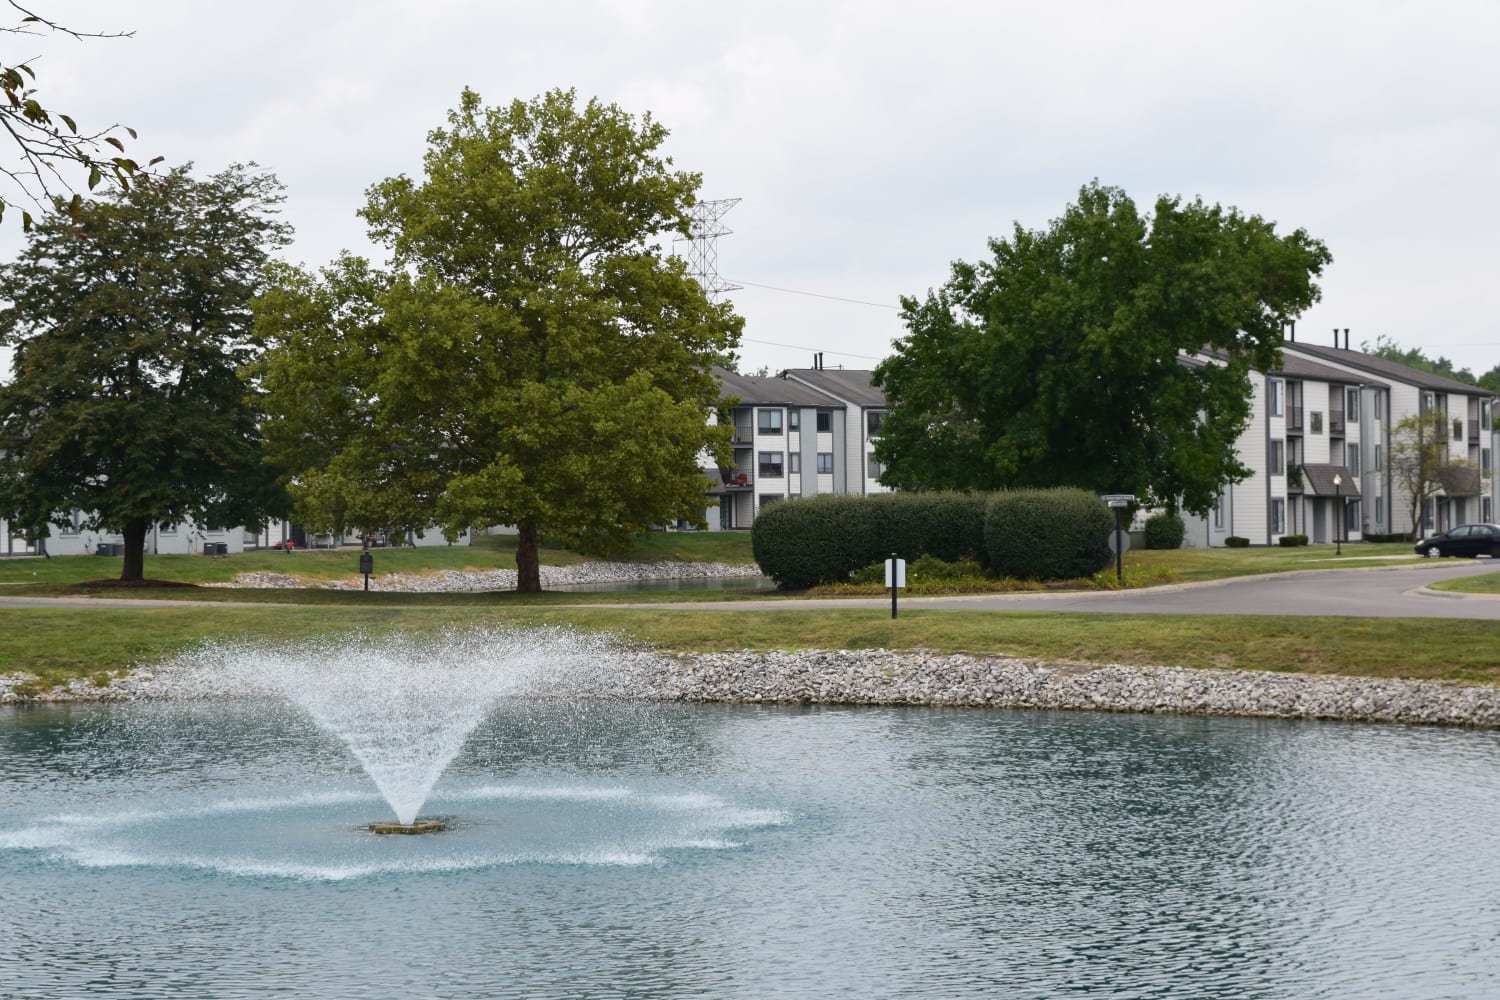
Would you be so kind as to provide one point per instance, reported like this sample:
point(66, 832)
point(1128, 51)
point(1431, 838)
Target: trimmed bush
point(1291, 541)
point(823, 539)
point(1165, 530)
point(1236, 542)
point(1399, 536)
point(1059, 534)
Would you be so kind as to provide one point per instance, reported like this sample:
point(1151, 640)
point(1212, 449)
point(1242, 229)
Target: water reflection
point(731, 851)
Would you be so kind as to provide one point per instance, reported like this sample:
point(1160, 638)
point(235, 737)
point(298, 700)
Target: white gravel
point(881, 677)
point(450, 581)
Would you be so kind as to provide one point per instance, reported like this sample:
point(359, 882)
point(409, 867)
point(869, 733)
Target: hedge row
point(822, 539)
point(1041, 534)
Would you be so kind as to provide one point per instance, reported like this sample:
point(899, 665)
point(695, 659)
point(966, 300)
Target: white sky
point(873, 143)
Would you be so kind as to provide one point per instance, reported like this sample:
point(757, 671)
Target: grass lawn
point(1489, 583)
point(487, 552)
point(58, 644)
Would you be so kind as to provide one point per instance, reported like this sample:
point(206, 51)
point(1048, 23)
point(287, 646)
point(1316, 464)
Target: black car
point(1468, 540)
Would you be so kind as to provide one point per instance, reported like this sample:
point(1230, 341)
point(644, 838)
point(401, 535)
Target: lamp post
point(1338, 512)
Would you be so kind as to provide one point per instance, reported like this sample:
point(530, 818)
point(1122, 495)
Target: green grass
point(58, 644)
point(488, 552)
point(1489, 583)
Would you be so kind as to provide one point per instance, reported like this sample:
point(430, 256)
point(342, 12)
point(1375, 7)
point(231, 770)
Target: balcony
point(1336, 423)
point(1294, 418)
point(736, 481)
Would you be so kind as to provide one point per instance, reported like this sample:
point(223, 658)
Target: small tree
point(1419, 461)
point(130, 322)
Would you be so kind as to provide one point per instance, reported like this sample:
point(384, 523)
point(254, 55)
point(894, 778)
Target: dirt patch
point(128, 584)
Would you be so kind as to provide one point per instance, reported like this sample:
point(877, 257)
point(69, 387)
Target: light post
point(1338, 512)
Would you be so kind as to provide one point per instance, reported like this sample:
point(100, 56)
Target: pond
point(613, 850)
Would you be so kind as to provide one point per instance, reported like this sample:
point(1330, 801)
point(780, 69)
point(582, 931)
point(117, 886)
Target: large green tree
point(533, 358)
point(1073, 357)
point(130, 320)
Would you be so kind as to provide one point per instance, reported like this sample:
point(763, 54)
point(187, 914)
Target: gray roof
point(1320, 481)
point(754, 390)
point(1298, 367)
point(850, 385)
point(1393, 370)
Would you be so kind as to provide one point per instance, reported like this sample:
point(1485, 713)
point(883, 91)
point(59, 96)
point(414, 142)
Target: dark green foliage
point(130, 323)
point(1059, 534)
point(1165, 530)
point(1398, 536)
point(1059, 360)
point(801, 543)
point(1291, 541)
point(1236, 542)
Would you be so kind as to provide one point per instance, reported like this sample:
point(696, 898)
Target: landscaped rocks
point(452, 581)
point(882, 677)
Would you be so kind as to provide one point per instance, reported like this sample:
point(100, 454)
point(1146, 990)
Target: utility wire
point(815, 295)
point(804, 347)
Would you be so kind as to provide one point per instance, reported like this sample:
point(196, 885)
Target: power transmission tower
point(703, 249)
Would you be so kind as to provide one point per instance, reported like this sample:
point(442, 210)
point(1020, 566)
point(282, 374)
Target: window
point(1351, 404)
point(769, 421)
point(1484, 463)
point(1278, 517)
point(794, 463)
point(1379, 506)
point(1488, 513)
point(1351, 517)
point(1429, 402)
point(1378, 457)
point(1485, 418)
point(1353, 461)
point(825, 463)
point(1317, 421)
point(75, 522)
point(1458, 430)
point(873, 420)
point(1278, 461)
point(767, 499)
point(1380, 406)
point(1219, 513)
point(875, 468)
point(1274, 390)
point(825, 421)
point(770, 464)
point(794, 419)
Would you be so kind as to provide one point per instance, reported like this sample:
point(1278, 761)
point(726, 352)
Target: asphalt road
point(1377, 592)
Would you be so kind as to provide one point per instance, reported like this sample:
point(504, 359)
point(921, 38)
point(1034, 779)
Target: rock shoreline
point(455, 581)
point(913, 678)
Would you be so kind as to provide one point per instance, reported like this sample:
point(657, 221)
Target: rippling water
point(673, 851)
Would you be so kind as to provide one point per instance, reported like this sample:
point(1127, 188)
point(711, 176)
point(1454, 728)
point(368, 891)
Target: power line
point(803, 347)
point(819, 295)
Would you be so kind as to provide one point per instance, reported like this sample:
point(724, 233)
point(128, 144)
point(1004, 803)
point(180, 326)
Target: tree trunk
point(528, 567)
point(135, 550)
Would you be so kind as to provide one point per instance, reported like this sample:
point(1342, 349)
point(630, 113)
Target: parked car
point(1467, 540)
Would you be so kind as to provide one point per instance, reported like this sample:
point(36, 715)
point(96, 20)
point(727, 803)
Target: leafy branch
point(48, 140)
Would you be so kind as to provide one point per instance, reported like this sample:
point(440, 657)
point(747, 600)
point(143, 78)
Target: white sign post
point(895, 576)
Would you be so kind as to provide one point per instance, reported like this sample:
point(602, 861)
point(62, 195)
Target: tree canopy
point(1420, 463)
point(45, 137)
point(130, 321)
point(533, 358)
point(1110, 351)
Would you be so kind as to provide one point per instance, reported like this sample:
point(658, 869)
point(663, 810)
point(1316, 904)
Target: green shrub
point(1399, 536)
point(1059, 534)
point(823, 539)
point(1236, 542)
point(1292, 541)
point(1165, 530)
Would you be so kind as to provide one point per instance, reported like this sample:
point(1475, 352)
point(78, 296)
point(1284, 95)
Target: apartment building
point(1318, 446)
point(799, 433)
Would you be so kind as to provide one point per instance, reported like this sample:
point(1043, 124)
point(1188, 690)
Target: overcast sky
point(873, 143)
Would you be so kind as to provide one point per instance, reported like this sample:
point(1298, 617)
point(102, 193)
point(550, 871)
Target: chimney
point(1335, 338)
point(1294, 331)
point(1346, 338)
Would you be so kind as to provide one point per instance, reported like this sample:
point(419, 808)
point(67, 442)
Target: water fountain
point(403, 704)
